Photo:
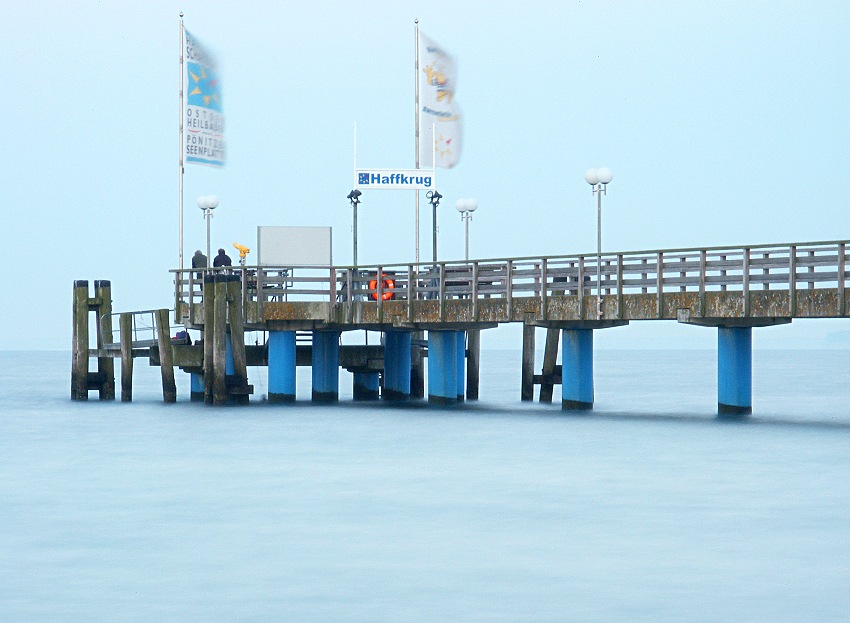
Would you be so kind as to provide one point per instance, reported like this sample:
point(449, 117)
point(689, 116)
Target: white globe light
point(472, 204)
point(460, 205)
point(605, 175)
point(202, 202)
point(212, 202)
point(591, 177)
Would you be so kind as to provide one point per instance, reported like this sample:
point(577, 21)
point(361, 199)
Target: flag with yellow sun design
point(203, 121)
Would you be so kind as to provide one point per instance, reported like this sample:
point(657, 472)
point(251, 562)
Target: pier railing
point(788, 267)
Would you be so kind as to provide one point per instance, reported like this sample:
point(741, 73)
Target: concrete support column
point(229, 368)
point(734, 371)
point(577, 369)
point(461, 364)
point(325, 366)
point(442, 367)
point(282, 366)
point(397, 368)
point(367, 386)
point(197, 387)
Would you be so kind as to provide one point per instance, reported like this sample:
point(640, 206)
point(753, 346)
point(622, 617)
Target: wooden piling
point(166, 356)
point(473, 362)
point(80, 344)
point(125, 325)
point(550, 358)
point(105, 364)
point(527, 392)
point(209, 330)
point(219, 333)
point(239, 389)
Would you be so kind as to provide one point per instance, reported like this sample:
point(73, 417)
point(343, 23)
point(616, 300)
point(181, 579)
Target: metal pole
point(180, 150)
point(208, 215)
point(599, 250)
point(466, 218)
point(416, 121)
point(355, 232)
point(435, 230)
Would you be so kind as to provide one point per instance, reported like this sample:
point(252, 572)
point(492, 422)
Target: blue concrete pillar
point(197, 387)
point(577, 369)
point(461, 365)
point(442, 367)
point(367, 386)
point(734, 370)
point(325, 366)
point(282, 366)
point(397, 349)
point(229, 367)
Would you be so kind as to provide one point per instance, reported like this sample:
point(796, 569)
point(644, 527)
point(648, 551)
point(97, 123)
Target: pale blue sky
point(725, 123)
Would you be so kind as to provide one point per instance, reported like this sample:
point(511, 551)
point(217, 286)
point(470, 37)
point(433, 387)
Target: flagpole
point(180, 146)
point(416, 119)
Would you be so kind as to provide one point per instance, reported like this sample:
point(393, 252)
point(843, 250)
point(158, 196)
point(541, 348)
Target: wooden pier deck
point(731, 288)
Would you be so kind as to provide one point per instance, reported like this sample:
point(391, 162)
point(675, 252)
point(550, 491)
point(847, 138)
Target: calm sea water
point(647, 510)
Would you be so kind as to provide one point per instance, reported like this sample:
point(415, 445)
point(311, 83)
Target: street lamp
point(599, 180)
point(354, 198)
point(208, 203)
point(466, 207)
point(434, 197)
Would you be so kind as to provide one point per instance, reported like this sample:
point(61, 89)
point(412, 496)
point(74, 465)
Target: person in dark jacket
point(199, 260)
point(222, 259)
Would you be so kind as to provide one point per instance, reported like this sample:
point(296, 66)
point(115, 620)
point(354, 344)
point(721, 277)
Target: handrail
point(788, 267)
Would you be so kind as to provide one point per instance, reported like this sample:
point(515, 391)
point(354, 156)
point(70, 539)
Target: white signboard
point(294, 246)
point(395, 179)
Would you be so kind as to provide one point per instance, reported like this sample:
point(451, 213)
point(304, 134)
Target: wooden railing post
point(746, 282)
point(842, 303)
point(792, 281)
point(543, 287)
point(620, 286)
point(580, 288)
point(411, 291)
point(702, 269)
point(474, 292)
point(442, 293)
point(509, 287)
point(659, 285)
point(379, 278)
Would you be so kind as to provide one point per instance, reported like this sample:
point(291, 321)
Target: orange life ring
point(387, 286)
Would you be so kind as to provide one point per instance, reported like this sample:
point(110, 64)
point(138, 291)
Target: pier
point(730, 289)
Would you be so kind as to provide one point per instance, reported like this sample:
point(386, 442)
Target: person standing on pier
point(199, 260)
point(222, 259)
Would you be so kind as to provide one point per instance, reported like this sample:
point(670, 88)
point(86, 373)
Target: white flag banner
point(439, 114)
point(203, 142)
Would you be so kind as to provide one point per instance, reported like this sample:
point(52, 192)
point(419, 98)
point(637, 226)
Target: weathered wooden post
point(166, 356)
point(527, 392)
point(125, 324)
point(473, 363)
point(550, 359)
point(209, 330)
point(80, 344)
point(237, 338)
point(105, 364)
point(219, 340)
